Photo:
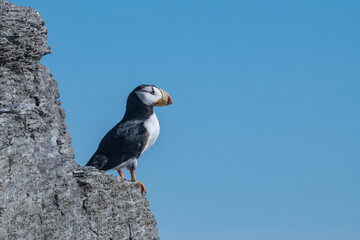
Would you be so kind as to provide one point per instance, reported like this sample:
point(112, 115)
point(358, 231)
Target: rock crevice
point(44, 194)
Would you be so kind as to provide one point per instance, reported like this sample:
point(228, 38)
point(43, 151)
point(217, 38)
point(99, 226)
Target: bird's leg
point(121, 174)
point(133, 179)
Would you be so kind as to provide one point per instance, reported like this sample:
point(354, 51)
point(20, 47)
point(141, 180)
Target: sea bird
point(134, 134)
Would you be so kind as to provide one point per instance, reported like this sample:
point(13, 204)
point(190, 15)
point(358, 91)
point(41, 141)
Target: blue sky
point(263, 138)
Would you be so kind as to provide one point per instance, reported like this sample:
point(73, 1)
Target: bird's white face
point(151, 95)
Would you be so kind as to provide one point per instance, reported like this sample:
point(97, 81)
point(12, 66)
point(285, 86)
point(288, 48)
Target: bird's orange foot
point(141, 185)
point(121, 174)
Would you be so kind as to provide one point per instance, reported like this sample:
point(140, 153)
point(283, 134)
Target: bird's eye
point(152, 91)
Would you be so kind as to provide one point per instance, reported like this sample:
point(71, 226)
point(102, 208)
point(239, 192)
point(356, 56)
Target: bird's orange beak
point(165, 100)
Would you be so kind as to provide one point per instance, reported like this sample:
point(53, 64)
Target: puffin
point(134, 134)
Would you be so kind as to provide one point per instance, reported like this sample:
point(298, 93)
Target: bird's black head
point(144, 97)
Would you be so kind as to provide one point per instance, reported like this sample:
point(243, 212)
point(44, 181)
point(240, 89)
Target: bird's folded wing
point(125, 141)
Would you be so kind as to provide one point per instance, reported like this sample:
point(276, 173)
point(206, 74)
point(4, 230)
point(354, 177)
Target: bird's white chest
point(153, 128)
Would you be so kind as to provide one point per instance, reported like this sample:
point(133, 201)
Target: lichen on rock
point(44, 194)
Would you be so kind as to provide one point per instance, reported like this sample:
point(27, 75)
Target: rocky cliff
point(44, 194)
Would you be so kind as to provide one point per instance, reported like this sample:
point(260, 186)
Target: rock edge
point(44, 194)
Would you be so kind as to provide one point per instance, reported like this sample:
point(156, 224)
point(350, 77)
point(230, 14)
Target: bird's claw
point(142, 186)
point(121, 174)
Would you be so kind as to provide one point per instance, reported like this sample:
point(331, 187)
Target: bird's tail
point(97, 160)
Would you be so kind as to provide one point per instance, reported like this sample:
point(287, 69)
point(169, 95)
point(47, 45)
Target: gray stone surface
point(44, 194)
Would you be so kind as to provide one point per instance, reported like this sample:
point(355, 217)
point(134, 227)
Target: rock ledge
point(44, 194)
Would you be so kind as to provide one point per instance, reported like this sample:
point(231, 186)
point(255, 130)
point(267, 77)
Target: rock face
point(44, 194)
